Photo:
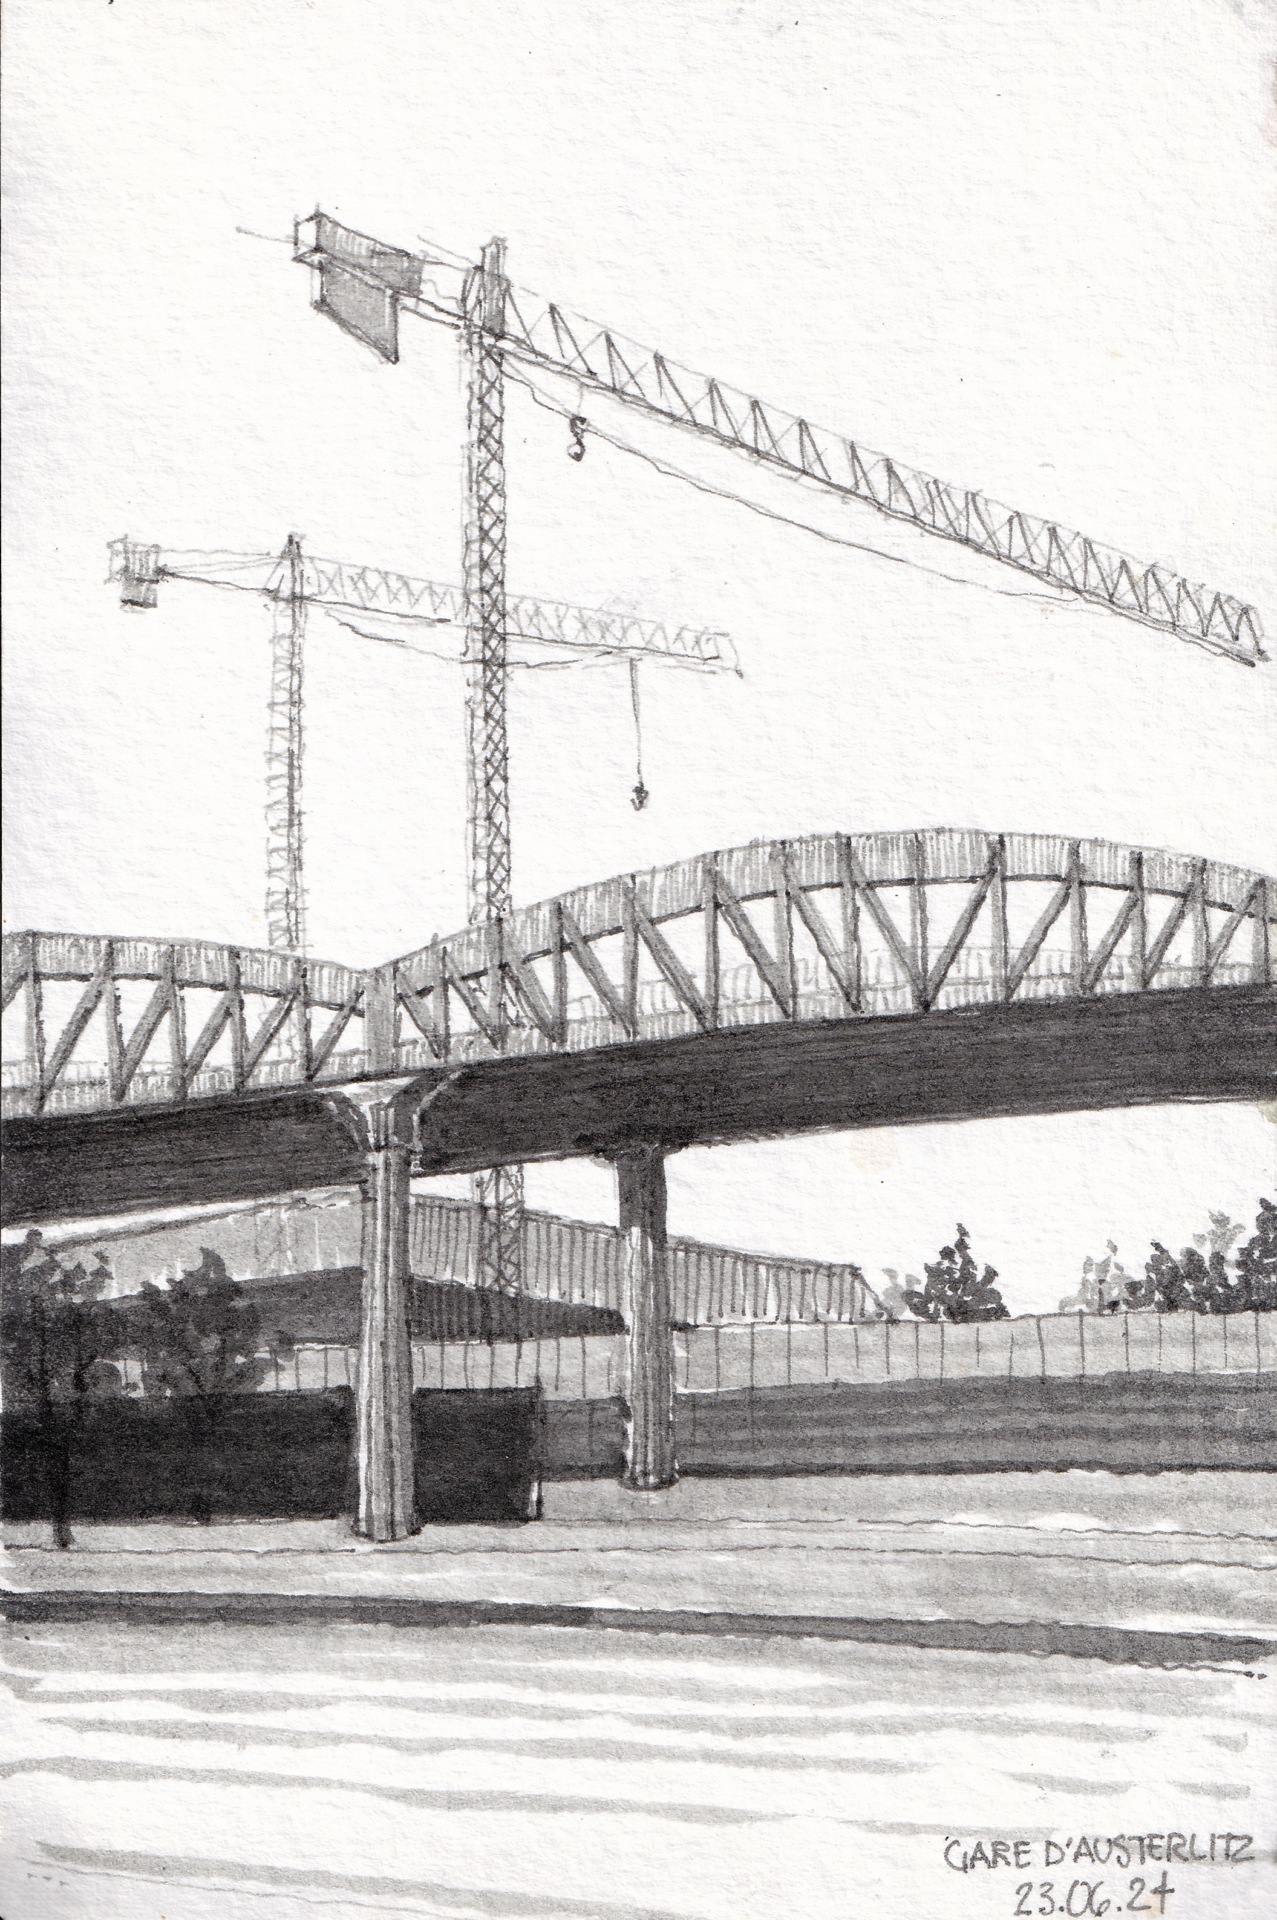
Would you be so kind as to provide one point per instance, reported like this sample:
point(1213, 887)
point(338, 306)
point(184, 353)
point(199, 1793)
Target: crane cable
point(1048, 593)
point(639, 795)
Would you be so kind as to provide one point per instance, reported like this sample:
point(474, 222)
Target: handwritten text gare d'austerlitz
point(1120, 1850)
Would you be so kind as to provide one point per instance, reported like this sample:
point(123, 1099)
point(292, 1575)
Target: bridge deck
point(728, 1085)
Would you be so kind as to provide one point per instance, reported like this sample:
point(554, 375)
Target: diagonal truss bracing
point(835, 927)
point(1058, 557)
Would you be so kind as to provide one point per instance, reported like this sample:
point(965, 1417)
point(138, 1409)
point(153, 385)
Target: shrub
point(1257, 1261)
point(1201, 1282)
point(1103, 1285)
point(200, 1339)
point(954, 1290)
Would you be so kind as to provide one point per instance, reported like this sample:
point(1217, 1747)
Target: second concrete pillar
point(649, 1372)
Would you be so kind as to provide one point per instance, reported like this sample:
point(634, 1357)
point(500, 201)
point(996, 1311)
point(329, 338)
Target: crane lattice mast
point(285, 897)
point(499, 1191)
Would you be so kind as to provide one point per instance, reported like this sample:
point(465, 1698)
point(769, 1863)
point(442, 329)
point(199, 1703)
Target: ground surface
point(1153, 1553)
point(289, 1769)
point(212, 1772)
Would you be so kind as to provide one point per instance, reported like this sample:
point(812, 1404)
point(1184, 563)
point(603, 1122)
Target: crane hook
point(576, 426)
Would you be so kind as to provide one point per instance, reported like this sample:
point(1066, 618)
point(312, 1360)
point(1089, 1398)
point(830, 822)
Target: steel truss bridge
point(846, 980)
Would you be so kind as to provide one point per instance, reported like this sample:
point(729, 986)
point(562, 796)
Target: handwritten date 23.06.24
point(1088, 1897)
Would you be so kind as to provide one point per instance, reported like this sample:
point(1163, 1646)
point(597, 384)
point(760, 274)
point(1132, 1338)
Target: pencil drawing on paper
point(267, 1373)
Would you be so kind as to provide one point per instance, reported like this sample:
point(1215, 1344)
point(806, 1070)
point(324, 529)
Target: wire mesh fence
point(767, 1355)
point(1066, 1346)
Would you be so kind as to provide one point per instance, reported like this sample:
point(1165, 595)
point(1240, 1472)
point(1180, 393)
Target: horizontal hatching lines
point(1057, 1783)
point(378, 1892)
point(525, 1712)
point(502, 1799)
point(766, 1765)
point(737, 1728)
point(627, 1749)
point(1213, 1789)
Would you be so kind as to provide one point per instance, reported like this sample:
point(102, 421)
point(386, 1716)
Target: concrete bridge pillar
point(649, 1347)
point(386, 1501)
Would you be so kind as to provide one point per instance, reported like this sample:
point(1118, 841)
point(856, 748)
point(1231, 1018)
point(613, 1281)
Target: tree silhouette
point(1221, 1235)
point(893, 1302)
point(199, 1334)
point(954, 1289)
point(1191, 1284)
point(1103, 1286)
point(59, 1336)
point(200, 1339)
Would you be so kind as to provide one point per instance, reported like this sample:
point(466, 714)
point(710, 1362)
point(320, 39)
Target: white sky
point(1028, 249)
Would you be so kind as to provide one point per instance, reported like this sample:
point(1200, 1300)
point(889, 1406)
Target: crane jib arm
point(346, 590)
point(561, 342)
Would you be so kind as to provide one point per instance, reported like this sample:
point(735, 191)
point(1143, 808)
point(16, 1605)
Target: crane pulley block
point(137, 568)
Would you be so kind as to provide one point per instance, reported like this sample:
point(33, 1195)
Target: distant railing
point(579, 1262)
point(832, 927)
point(574, 1368)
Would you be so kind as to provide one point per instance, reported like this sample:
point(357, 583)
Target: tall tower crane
point(363, 285)
point(370, 600)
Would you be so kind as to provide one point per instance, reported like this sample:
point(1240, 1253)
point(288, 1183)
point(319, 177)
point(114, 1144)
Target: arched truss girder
point(834, 926)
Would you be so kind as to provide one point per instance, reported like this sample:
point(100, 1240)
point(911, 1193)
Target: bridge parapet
point(835, 926)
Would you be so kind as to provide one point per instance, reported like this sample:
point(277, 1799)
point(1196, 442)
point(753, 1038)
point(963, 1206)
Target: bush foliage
point(199, 1339)
point(200, 1335)
point(1208, 1277)
point(955, 1290)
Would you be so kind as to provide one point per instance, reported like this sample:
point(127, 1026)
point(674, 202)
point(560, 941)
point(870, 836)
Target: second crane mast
point(285, 894)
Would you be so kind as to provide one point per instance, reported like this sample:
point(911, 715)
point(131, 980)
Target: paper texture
point(1027, 252)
